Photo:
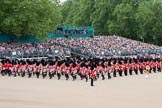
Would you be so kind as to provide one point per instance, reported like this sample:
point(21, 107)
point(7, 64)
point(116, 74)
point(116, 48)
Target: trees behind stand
point(135, 19)
point(28, 17)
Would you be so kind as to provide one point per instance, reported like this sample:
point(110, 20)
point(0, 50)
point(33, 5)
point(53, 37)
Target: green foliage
point(129, 18)
point(134, 19)
point(123, 16)
point(149, 19)
point(29, 17)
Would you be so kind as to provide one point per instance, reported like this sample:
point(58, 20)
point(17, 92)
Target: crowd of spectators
point(108, 46)
point(28, 50)
point(97, 46)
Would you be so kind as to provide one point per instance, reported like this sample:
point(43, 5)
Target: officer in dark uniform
point(37, 70)
point(23, 72)
point(92, 77)
point(44, 64)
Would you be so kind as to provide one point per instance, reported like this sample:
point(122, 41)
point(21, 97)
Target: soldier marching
point(82, 69)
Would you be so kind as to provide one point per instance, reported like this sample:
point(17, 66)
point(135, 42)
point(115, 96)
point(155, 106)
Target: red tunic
point(135, 67)
point(92, 74)
point(125, 67)
point(37, 68)
point(130, 67)
point(109, 69)
point(78, 66)
point(114, 68)
point(120, 67)
point(154, 65)
point(3, 67)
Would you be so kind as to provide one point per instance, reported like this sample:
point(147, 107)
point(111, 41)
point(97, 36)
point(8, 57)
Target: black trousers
point(29, 74)
point(44, 74)
point(74, 77)
point(98, 75)
point(50, 75)
point(89, 76)
point(9, 72)
point(3, 72)
point(59, 76)
point(120, 73)
point(23, 74)
point(130, 72)
point(141, 70)
point(53, 74)
point(34, 73)
point(86, 77)
point(62, 73)
point(154, 69)
point(37, 74)
point(103, 77)
point(109, 76)
point(92, 82)
point(81, 76)
point(159, 69)
point(125, 72)
point(67, 76)
point(150, 70)
point(114, 74)
point(136, 71)
point(14, 73)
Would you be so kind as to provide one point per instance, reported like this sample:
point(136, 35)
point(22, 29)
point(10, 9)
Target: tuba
point(147, 67)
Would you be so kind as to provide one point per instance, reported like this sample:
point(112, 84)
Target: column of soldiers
point(74, 68)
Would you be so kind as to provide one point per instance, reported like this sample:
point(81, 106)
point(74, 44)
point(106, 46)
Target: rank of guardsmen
point(80, 68)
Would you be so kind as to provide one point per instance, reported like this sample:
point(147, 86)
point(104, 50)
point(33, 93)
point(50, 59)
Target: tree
point(101, 15)
point(149, 18)
point(28, 17)
point(157, 18)
point(124, 20)
point(70, 10)
point(128, 18)
point(78, 12)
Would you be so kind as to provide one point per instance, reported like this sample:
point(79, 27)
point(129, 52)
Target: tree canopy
point(135, 19)
point(29, 17)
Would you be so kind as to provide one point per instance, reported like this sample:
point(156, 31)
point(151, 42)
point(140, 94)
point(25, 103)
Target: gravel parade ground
point(122, 92)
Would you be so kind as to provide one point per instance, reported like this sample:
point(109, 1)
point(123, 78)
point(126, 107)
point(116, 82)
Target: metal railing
point(34, 53)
